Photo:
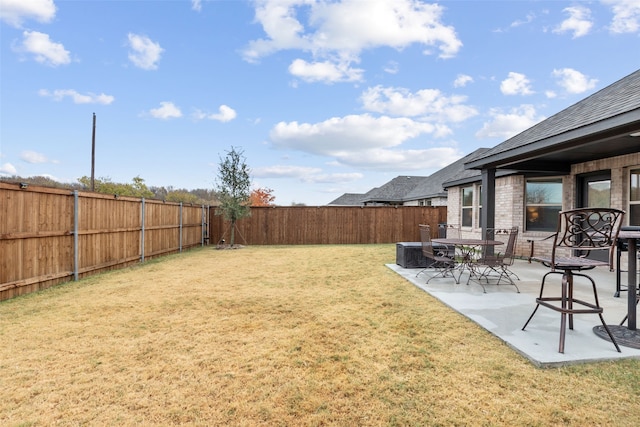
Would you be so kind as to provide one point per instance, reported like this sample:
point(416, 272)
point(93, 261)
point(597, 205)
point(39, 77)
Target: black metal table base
point(623, 335)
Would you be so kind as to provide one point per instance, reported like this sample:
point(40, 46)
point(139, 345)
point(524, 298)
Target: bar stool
point(580, 233)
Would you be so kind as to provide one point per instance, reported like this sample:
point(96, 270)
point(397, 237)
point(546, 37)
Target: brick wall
point(510, 199)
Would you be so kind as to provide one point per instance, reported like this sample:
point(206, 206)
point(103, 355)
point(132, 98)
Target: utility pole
point(93, 154)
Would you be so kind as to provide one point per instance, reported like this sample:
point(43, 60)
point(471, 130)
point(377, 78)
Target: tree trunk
point(232, 238)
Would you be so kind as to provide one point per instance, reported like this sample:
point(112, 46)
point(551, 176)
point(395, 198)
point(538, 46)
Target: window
point(543, 201)
point(479, 204)
point(467, 206)
point(634, 198)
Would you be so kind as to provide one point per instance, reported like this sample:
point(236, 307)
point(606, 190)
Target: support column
point(488, 217)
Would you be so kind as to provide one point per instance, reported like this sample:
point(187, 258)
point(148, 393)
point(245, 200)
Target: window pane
point(542, 218)
point(544, 192)
point(634, 215)
point(599, 194)
point(467, 220)
point(635, 186)
point(467, 196)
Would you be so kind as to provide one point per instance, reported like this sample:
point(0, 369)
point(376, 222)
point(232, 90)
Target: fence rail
point(50, 236)
point(303, 225)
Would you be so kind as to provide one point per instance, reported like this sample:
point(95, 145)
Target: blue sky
point(323, 97)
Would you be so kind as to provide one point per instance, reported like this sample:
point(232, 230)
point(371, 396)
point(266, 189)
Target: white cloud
point(626, 16)
point(324, 71)
point(15, 12)
point(144, 52)
point(579, 21)
point(573, 81)
point(167, 110)
point(8, 169)
point(516, 84)
point(225, 114)
point(305, 174)
point(504, 125)
point(333, 178)
point(364, 141)
point(338, 32)
point(280, 171)
point(462, 80)
point(34, 157)
point(392, 67)
point(196, 5)
point(76, 97)
point(428, 104)
point(354, 132)
point(527, 20)
point(394, 160)
point(43, 49)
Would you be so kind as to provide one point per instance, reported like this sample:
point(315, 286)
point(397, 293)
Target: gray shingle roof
point(348, 199)
point(433, 185)
point(614, 100)
point(395, 190)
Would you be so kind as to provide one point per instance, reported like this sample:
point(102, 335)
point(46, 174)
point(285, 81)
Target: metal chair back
point(505, 254)
point(425, 238)
point(584, 230)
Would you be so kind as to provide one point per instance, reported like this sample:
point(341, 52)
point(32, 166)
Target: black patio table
point(628, 336)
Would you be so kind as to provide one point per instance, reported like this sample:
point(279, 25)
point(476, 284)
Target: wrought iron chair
point(451, 231)
point(580, 232)
point(438, 257)
point(494, 261)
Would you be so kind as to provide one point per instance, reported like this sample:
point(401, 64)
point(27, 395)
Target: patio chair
point(494, 261)
point(451, 231)
point(439, 257)
point(580, 232)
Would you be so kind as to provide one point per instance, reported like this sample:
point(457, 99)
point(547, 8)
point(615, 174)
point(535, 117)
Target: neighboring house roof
point(407, 188)
point(575, 134)
point(393, 191)
point(433, 186)
point(348, 199)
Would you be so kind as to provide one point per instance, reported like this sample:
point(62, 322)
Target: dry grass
point(313, 335)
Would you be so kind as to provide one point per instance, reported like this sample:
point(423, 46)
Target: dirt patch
point(222, 247)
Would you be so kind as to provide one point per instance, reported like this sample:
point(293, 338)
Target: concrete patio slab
point(502, 311)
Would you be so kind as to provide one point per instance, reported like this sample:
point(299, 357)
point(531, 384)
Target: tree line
point(136, 188)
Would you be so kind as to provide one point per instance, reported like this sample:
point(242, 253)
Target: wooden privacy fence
point(302, 225)
point(50, 236)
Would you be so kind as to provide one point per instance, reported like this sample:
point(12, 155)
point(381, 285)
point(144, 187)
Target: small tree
point(234, 189)
point(262, 197)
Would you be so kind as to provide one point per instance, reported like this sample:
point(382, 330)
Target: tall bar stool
point(580, 232)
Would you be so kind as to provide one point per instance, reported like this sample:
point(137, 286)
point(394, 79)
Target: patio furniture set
point(581, 235)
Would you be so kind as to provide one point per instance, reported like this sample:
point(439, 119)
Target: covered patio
point(502, 311)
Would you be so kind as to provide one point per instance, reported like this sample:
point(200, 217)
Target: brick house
point(586, 155)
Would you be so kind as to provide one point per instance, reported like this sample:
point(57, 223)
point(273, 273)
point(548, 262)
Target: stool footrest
point(548, 302)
